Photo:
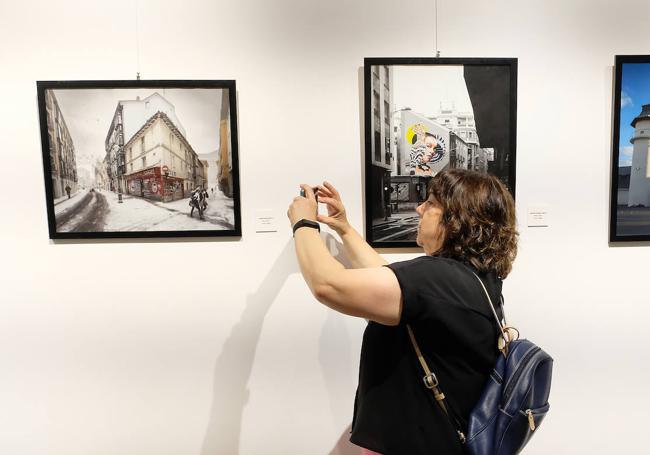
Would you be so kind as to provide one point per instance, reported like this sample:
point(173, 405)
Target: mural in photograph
point(427, 115)
point(630, 200)
point(140, 159)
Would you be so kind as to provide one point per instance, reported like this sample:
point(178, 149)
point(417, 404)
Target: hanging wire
point(137, 42)
point(436, 36)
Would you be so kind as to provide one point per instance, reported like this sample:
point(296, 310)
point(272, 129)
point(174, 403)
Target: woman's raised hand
point(336, 217)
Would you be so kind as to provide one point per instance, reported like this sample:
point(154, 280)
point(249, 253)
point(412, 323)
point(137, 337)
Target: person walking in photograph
point(198, 200)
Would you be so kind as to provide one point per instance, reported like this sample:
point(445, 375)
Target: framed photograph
point(630, 181)
point(424, 115)
point(140, 158)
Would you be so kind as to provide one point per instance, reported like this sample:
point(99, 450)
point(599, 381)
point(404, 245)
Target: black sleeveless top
point(449, 313)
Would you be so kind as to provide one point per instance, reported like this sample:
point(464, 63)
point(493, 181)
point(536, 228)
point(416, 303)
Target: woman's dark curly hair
point(478, 217)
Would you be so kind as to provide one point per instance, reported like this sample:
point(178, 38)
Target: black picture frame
point(229, 178)
point(375, 191)
point(629, 216)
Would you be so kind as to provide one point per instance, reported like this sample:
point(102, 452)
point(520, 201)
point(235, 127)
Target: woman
point(467, 224)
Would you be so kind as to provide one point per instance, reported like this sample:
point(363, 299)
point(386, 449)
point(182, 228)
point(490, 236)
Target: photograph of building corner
point(427, 115)
point(630, 207)
point(139, 160)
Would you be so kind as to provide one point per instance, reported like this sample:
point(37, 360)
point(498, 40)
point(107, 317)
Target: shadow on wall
point(236, 360)
point(335, 361)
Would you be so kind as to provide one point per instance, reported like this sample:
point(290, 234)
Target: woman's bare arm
point(360, 253)
point(372, 293)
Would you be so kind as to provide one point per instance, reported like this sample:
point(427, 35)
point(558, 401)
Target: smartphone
point(314, 189)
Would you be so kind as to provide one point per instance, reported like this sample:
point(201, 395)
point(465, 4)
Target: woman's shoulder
point(463, 268)
point(435, 270)
point(427, 282)
point(445, 272)
point(435, 262)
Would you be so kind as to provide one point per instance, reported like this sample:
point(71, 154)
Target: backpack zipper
point(520, 370)
point(531, 419)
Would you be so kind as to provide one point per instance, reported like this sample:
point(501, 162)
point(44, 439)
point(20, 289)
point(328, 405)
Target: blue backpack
point(514, 400)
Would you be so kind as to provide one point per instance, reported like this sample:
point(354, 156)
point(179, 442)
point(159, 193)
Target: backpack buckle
point(430, 381)
point(508, 335)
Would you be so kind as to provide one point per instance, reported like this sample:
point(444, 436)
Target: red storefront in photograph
point(153, 184)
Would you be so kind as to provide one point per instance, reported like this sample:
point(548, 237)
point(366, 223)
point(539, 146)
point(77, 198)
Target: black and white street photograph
point(630, 206)
point(139, 161)
point(427, 115)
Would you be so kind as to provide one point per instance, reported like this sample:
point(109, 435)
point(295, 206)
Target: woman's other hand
point(303, 208)
point(336, 217)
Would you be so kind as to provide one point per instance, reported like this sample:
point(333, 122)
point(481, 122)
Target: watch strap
point(305, 223)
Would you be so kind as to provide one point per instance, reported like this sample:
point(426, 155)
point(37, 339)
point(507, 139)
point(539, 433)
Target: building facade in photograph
point(382, 148)
point(458, 152)
point(639, 191)
point(85, 169)
point(224, 176)
point(450, 141)
point(101, 177)
point(623, 194)
point(480, 162)
point(423, 148)
point(201, 173)
point(62, 152)
point(160, 164)
point(108, 182)
point(463, 125)
point(115, 153)
point(128, 119)
point(204, 173)
point(211, 170)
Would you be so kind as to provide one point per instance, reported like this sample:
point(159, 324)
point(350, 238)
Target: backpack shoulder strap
point(431, 382)
point(494, 311)
point(508, 333)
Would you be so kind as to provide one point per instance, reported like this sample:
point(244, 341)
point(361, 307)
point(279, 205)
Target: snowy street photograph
point(426, 116)
point(123, 157)
point(100, 210)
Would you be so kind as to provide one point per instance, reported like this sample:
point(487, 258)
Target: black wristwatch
point(305, 223)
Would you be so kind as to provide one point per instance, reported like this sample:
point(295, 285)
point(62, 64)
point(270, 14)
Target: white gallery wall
point(205, 347)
